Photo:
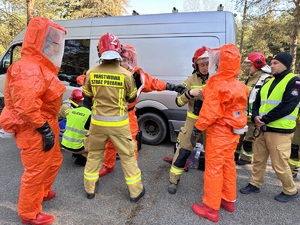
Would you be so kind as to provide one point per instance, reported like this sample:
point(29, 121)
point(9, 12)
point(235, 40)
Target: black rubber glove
point(197, 106)
point(137, 79)
point(48, 136)
point(170, 87)
point(179, 88)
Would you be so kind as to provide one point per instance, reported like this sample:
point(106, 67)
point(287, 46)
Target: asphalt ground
point(111, 206)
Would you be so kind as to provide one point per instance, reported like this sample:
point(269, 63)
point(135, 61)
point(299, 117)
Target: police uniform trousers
point(278, 147)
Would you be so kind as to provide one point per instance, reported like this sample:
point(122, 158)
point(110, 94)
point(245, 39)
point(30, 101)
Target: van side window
point(12, 55)
point(76, 57)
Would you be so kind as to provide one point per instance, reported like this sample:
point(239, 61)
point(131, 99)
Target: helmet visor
point(214, 60)
point(53, 47)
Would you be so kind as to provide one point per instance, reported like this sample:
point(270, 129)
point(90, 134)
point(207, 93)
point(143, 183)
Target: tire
point(1, 104)
point(153, 127)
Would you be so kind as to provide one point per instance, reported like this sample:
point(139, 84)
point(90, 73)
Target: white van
point(165, 44)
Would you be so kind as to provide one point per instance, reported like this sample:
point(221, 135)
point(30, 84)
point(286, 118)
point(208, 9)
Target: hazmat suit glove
point(137, 79)
point(48, 136)
point(170, 87)
point(179, 88)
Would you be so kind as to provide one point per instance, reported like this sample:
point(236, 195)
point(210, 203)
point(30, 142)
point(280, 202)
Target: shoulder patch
point(295, 92)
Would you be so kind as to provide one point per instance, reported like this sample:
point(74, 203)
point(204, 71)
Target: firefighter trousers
point(95, 144)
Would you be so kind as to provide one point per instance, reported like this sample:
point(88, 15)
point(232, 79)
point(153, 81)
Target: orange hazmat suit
point(33, 95)
point(225, 100)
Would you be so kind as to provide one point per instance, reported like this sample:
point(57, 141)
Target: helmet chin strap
point(203, 77)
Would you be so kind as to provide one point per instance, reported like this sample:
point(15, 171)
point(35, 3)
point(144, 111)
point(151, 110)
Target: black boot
point(79, 159)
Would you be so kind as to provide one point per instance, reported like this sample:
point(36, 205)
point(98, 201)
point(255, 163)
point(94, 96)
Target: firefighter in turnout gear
point(145, 83)
point(294, 160)
point(192, 96)
point(110, 88)
point(74, 101)
point(259, 73)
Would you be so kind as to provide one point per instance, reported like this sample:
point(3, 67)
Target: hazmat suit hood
point(224, 62)
point(225, 98)
point(44, 42)
point(33, 92)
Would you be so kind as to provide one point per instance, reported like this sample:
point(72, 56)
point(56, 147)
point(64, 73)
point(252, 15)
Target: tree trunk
point(30, 12)
point(243, 26)
point(294, 35)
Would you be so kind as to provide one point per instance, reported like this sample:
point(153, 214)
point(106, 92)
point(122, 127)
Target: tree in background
point(30, 10)
point(15, 14)
point(268, 26)
point(272, 23)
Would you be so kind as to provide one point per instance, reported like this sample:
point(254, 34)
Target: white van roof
point(182, 23)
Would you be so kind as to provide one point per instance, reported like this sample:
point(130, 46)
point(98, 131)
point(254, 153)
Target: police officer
point(110, 88)
point(258, 75)
point(191, 96)
point(274, 112)
point(78, 122)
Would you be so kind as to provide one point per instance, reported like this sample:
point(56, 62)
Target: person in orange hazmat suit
point(145, 83)
point(33, 95)
point(223, 118)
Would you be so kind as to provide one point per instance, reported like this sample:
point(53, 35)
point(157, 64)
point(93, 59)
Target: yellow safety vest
point(275, 98)
point(75, 132)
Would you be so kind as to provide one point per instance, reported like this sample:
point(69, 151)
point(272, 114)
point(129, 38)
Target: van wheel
point(1, 104)
point(153, 128)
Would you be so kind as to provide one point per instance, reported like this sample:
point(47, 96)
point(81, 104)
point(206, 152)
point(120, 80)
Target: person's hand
point(196, 93)
point(48, 136)
point(258, 122)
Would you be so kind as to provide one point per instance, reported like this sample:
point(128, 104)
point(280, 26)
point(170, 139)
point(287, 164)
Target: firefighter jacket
point(76, 128)
point(254, 83)
point(65, 108)
point(111, 87)
point(192, 82)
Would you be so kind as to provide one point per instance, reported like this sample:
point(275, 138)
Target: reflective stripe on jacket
point(275, 98)
point(75, 132)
